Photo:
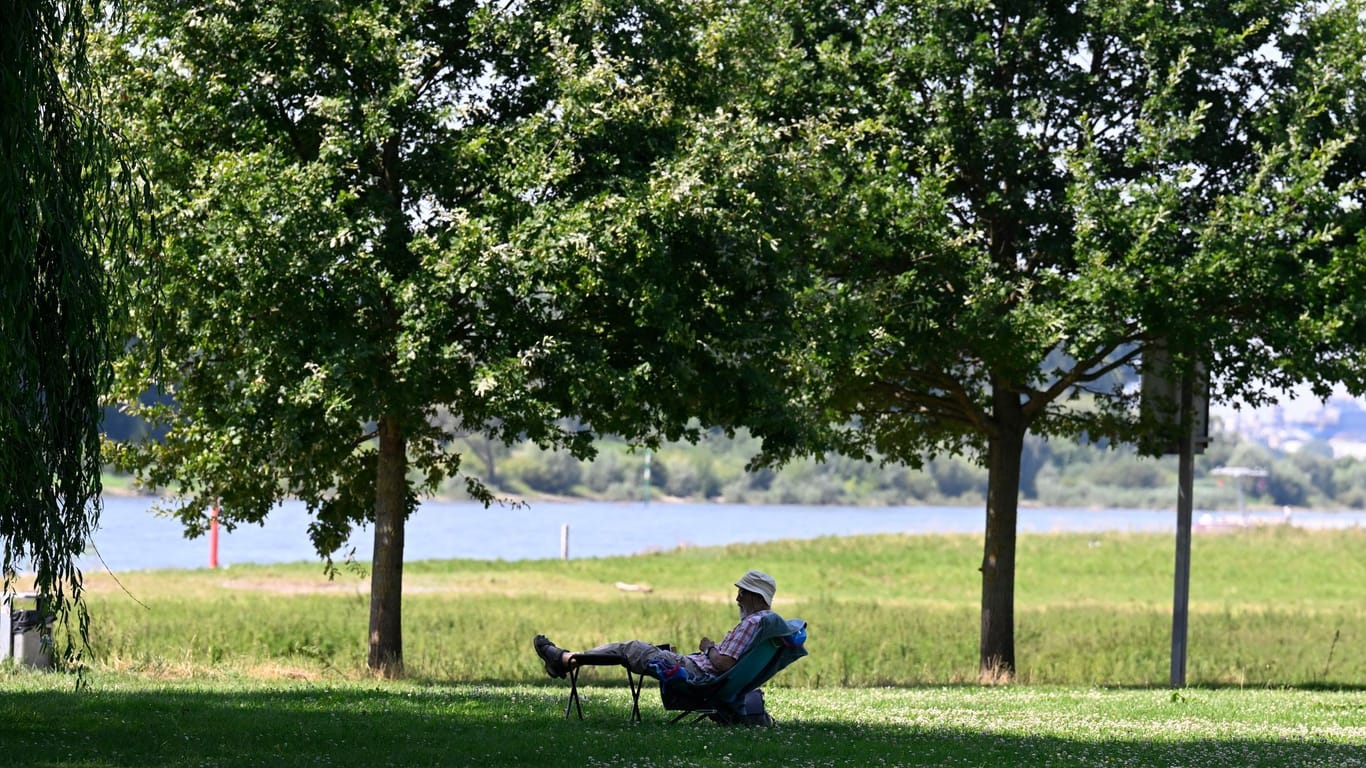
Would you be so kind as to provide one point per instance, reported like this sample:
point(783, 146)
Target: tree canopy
point(891, 228)
point(1008, 202)
point(387, 224)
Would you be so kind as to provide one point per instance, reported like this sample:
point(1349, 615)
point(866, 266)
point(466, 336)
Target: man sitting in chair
point(755, 599)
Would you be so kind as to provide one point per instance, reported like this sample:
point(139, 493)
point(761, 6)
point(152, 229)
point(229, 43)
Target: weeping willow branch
point(66, 200)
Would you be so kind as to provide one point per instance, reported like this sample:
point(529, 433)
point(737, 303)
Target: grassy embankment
point(1269, 607)
point(264, 665)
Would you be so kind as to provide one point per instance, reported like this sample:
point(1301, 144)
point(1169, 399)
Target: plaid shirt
point(735, 643)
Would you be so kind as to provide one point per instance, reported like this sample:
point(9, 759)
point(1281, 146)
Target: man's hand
point(705, 645)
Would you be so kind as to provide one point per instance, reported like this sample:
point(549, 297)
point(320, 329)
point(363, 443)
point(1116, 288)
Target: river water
point(132, 537)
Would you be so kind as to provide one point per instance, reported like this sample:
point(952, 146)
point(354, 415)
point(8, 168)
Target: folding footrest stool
point(580, 660)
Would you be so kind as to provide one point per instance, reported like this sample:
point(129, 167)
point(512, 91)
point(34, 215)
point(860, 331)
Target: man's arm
point(736, 642)
point(721, 661)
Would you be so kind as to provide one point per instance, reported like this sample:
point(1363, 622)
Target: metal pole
point(6, 633)
point(564, 541)
point(1184, 507)
point(647, 476)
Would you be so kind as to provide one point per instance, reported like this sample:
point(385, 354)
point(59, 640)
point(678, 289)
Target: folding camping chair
point(779, 643)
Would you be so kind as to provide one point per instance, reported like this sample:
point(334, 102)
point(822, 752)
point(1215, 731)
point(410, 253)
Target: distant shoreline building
point(1339, 423)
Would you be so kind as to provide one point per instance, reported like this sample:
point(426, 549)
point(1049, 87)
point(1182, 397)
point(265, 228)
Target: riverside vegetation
point(1054, 473)
point(186, 664)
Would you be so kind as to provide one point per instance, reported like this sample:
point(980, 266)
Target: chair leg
point(697, 715)
point(573, 702)
point(635, 681)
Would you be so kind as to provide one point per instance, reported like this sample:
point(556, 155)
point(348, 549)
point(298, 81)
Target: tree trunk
point(996, 651)
point(386, 579)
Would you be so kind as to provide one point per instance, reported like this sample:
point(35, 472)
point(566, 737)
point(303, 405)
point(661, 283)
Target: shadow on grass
point(180, 725)
point(611, 677)
point(1307, 687)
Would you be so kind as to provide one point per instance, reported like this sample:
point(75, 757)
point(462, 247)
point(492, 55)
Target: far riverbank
point(132, 537)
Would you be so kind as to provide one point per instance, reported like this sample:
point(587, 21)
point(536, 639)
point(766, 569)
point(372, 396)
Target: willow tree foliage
point(386, 224)
point(59, 212)
point(1008, 202)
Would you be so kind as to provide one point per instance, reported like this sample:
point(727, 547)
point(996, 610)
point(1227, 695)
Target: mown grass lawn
point(132, 720)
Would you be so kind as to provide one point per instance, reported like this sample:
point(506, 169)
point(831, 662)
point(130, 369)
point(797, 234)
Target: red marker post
point(213, 537)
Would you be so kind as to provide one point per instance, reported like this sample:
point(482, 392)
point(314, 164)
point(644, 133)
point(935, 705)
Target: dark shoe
point(552, 656)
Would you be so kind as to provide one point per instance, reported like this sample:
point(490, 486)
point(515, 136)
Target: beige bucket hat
point(759, 583)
